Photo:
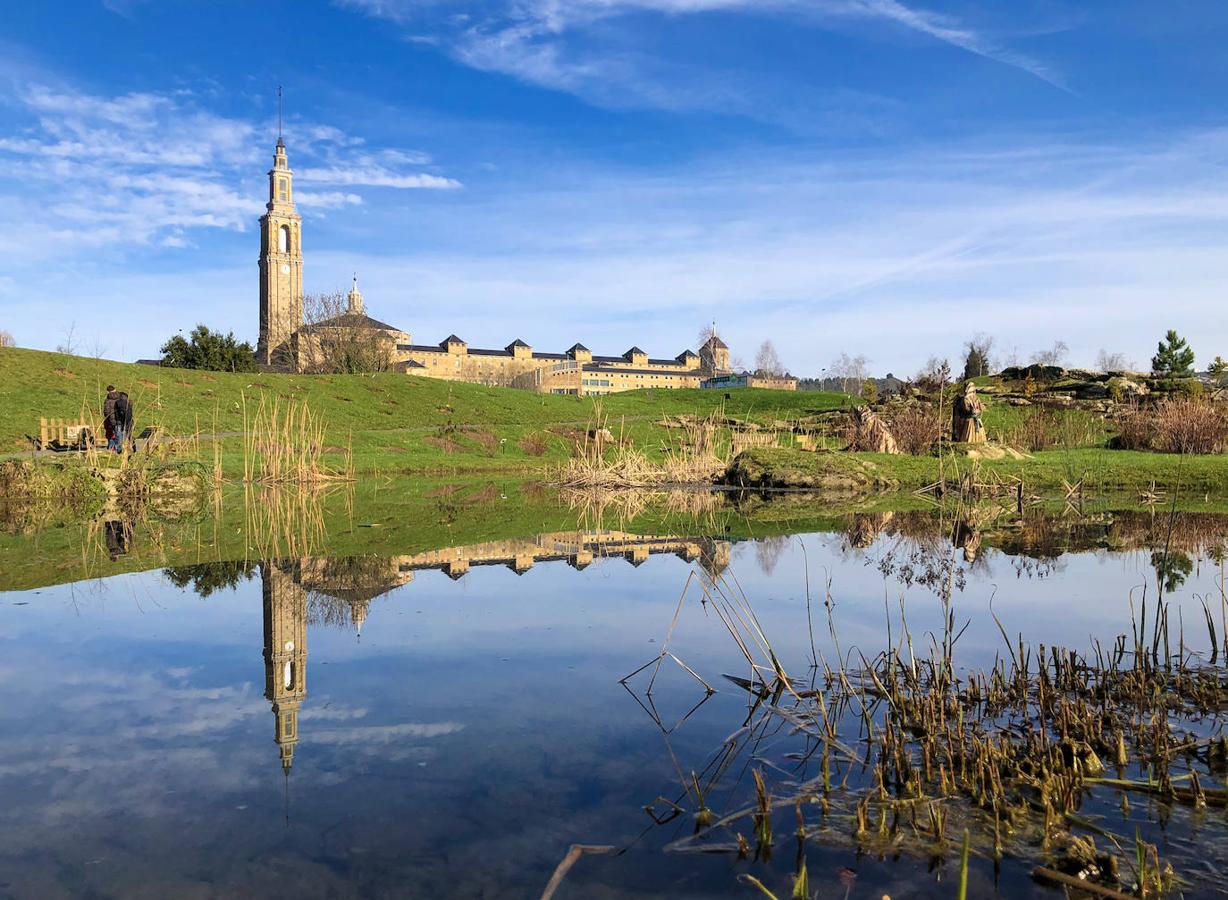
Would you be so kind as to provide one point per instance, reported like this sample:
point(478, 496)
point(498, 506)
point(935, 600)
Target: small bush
point(916, 428)
point(1037, 430)
point(534, 445)
point(1178, 425)
point(1191, 426)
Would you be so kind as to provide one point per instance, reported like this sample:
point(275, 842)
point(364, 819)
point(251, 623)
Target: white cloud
point(566, 45)
point(86, 171)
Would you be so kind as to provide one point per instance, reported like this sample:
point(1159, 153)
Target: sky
point(873, 177)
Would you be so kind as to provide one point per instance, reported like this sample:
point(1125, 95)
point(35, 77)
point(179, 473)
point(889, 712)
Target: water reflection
point(479, 728)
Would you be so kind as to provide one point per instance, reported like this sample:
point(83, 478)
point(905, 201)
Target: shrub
point(915, 428)
point(1176, 425)
point(534, 445)
point(1191, 426)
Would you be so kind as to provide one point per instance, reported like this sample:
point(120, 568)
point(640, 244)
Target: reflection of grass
point(896, 752)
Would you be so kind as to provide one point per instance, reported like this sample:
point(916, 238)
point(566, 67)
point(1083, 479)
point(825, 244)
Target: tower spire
point(280, 142)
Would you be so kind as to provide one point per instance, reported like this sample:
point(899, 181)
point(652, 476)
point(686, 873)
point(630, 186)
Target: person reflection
point(118, 535)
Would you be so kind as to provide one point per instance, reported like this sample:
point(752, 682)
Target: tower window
point(283, 239)
point(282, 189)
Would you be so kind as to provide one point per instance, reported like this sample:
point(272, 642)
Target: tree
point(1218, 370)
point(850, 370)
point(1113, 362)
point(934, 374)
point(705, 334)
point(1174, 358)
point(976, 359)
point(6, 340)
point(1054, 356)
point(869, 391)
point(336, 340)
point(209, 350)
point(767, 362)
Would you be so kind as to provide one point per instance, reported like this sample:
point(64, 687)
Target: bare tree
point(6, 340)
point(1114, 362)
point(1054, 356)
point(705, 334)
point(1011, 358)
point(934, 374)
point(767, 362)
point(977, 359)
point(851, 371)
point(335, 339)
point(68, 346)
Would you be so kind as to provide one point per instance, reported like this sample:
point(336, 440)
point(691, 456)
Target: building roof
point(578, 347)
point(716, 343)
point(634, 351)
point(409, 363)
point(517, 343)
point(675, 363)
point(686, 354)
point(351, 320)
point(451, 339)
point(624, 370)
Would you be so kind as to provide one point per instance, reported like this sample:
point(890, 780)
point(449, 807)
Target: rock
point(828, 473)
point(1036, 371)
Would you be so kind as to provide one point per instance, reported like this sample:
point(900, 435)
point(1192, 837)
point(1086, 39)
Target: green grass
point(395, 422)
point(1099, 469)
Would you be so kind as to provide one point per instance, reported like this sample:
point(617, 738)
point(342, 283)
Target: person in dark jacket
point(123, 420)
point(123, 410)
point(109, 421)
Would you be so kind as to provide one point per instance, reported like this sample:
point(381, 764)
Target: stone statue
point(966, 424)
point(870, 434)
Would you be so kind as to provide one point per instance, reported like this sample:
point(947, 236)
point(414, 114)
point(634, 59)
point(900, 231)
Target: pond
point(371, 708)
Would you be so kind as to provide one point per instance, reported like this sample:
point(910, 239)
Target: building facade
point(285, 342)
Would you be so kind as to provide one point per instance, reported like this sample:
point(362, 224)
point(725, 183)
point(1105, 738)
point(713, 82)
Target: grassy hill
point(396, 422)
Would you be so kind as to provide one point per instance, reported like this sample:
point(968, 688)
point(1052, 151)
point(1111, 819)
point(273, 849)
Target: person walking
point(123, 407)
point(109, 419)
point(123, 421)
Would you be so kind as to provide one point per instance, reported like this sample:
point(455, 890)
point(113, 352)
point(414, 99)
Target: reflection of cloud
point(377, 735)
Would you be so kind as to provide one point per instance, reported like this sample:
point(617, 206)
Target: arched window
point(283, 239)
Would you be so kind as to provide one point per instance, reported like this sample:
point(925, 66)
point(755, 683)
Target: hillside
point(396, 422)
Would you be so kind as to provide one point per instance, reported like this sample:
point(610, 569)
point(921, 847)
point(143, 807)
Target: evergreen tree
point(1218, 370)
point(209, 350)
point(1174, 358)
point(869, 391)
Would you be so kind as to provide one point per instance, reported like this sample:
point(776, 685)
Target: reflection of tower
point(714, 558)
point(285, 653)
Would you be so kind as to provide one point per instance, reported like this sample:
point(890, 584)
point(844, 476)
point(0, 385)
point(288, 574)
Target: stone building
point(286, 343)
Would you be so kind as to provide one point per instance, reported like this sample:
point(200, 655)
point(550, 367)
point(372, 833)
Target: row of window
point(595, 382)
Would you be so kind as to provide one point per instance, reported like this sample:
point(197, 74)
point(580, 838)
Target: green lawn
point(396, 423)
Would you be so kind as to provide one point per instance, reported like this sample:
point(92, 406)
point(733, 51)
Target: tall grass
point(284, 443)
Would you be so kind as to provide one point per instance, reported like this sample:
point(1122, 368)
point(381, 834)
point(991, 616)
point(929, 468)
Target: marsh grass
point(899, 750)
point(599, 459)
point(284, 442)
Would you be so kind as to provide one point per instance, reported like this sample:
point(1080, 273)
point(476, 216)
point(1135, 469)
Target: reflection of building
point(285, 343)
point(285, 652)
point(339, 591)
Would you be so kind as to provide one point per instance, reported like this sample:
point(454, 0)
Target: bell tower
point(281, 261)
point(285, 653)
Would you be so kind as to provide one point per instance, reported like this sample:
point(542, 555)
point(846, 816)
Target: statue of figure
point(870, 434)
point(966, 424)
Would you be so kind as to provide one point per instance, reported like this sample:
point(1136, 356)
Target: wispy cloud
point(84, 170)
point(568, 45)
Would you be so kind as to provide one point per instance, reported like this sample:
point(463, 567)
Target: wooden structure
point(62, 435)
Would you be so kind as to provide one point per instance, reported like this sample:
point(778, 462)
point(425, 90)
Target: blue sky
point(881, 177)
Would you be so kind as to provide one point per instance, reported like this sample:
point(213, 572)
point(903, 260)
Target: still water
point(449, 720)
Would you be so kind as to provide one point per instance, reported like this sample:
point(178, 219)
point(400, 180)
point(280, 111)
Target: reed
point(284, 443)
